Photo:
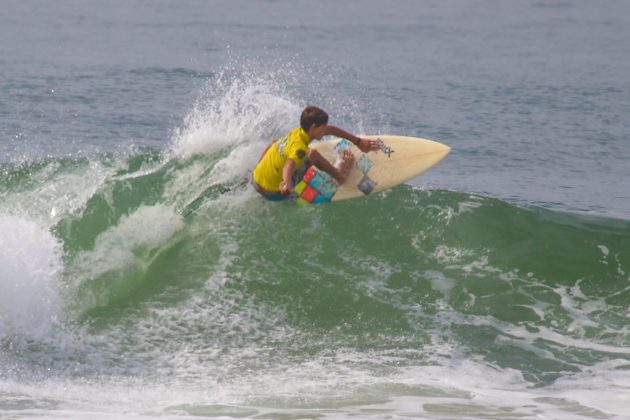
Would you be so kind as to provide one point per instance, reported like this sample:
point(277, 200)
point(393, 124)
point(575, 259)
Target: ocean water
point(141, 277)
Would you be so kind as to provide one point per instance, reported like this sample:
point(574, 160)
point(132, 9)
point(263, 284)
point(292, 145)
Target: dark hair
point(313, 115)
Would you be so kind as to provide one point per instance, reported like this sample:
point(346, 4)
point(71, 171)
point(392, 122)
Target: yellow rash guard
point(268, 172)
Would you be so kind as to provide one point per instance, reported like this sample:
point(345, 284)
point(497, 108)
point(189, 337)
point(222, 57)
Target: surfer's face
point(316, 132)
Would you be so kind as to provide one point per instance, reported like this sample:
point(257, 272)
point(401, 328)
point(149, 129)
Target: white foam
point(604, 386)
point(543, 333)
point(439, 281)
point(335, 386)
point(30, 272)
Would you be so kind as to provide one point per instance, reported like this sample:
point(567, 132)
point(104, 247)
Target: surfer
point(275, 171)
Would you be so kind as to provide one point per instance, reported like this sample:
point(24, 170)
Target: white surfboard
point(399, 159)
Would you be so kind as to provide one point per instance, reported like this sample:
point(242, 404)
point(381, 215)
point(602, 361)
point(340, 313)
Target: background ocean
point(140, 277)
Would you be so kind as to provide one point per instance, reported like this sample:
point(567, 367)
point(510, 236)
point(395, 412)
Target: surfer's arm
point(287, 172)
point(363, 145)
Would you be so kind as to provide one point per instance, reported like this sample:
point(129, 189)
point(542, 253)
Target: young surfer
point(274, 173)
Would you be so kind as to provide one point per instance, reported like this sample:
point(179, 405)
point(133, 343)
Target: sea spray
point(236, 110)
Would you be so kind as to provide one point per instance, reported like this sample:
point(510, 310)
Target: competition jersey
point(268, 172)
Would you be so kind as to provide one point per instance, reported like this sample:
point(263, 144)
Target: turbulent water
point(141, 276)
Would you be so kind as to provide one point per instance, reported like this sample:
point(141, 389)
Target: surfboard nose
point(438, 150)
point(443, 150)
point(440, 147)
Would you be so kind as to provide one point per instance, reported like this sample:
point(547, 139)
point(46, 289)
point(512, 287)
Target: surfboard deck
point(399, 159)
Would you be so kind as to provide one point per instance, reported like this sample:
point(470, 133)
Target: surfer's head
point(313, 115)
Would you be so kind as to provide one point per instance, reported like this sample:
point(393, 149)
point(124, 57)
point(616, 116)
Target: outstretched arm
point(363, 144)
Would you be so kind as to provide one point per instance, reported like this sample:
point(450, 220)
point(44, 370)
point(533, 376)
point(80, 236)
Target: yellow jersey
point(268, 172)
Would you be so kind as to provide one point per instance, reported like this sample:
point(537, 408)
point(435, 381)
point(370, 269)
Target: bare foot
point(345, 165)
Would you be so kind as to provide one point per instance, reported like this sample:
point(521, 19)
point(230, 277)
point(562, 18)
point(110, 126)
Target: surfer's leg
point(299, 173)
point(339, 173)
point(271, 195)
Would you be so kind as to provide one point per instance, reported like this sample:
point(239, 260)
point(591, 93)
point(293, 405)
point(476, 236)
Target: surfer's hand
point(344, 165)
point(285, 188)
point(367, 145)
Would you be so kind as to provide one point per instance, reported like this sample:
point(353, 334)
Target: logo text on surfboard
point(384, 148)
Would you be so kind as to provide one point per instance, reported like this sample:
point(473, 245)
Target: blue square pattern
point(341, 146)
point(366, 185)
point(364, 164)
point(324, 184)
point(317, 180)
point(329, 189)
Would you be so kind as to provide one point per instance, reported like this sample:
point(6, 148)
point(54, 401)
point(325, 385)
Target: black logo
point(384, 148)
point(300, 154)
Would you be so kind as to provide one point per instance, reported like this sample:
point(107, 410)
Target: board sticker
point(316, 187)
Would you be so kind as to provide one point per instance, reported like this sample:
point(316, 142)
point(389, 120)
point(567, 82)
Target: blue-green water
point(141, 277)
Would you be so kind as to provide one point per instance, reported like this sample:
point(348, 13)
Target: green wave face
point(166, 271)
